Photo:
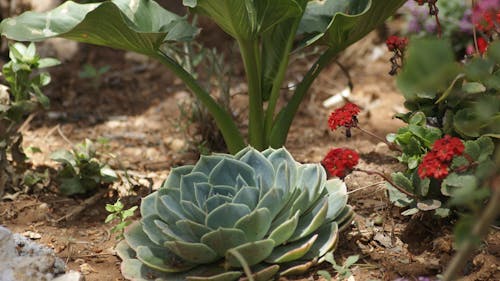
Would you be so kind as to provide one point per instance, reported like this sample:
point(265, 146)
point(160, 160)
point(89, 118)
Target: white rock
point(71, 276)
point(23, 259)
point(177, 145)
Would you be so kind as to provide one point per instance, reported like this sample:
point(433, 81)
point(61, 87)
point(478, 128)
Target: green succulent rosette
point(256, 213)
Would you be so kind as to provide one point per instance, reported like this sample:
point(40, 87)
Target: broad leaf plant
point(266, 31)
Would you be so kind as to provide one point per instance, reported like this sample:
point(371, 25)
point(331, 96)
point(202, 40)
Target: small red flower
point(487, 20)
point(396, 43)
point(435, 163)
point(482, 45)
point(345, 116)
point(432, 166)
point(340, 161)
point(421, 2)
point(447, 147)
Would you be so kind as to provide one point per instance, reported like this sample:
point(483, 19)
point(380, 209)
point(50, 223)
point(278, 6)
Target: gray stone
point(23, 259)
point(70, 276)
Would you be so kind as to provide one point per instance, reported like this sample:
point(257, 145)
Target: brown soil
point(136, 108)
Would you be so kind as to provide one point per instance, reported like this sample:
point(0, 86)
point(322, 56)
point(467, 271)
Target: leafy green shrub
point(461, 99)
point(22, 97)
point(82, 172)
point(267, 33)
point(447, 98)
point(260, 211)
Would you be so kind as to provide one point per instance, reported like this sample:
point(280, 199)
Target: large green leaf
point(245, 19)
point(140, 26)
point(427, 71)
point(340, 23)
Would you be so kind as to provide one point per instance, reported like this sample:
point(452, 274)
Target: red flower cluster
point(482, 45)
point(487, 21)
point(340, 161)
point(345, 116)
point(395, 43)
point(435, 163)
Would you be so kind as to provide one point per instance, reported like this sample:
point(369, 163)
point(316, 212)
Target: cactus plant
point(258, 213)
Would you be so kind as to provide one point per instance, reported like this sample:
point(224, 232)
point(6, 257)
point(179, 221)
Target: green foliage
point(82, 172)
point(447, 97)
point(118, 213)
point(22, 97)
point(263, 212)
point(462, 187)
point(93, 74)
point(343, 271)
point(463, 99)
point(267, 32)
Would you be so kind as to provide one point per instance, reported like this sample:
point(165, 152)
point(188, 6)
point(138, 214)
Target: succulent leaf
point(253, 210)
point(297, 268)
point(226, 276)
point(256, 224)
point(160, 259)
point(264, 274)
point(247, 195)
point(285, 230)
point(328, 236)
point(311, 221)
point(224, 239)
point(254, 252)
point(226, 215)
point(198, 253)
point(291, 252)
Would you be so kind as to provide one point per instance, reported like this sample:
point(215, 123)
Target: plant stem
point(284, 119)
point(243, 263)
point(479, 230)
point(251, 60)
point(391, 146)
point(232, 136)
point(389, 180)
point(278, 80)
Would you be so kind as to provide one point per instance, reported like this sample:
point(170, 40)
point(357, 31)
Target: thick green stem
point(278, 81)
point(284, 119)
point(232, 136)
point(251, 60)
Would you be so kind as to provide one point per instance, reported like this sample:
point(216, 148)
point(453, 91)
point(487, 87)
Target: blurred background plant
point(459, 19)
point(343, 270)
point(82, 170)
point(211, 69)
point(93, 74)
point(18, 102)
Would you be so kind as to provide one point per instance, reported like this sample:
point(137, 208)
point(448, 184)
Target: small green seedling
point(117, 212)
point(343, 271)
point(94, 74)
